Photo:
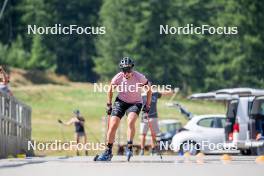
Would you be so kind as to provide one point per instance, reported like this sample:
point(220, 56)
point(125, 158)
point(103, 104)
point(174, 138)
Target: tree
point(40, 58)
point(75, 52)
point(237, 60)
point(16, 55)
point(133, 30)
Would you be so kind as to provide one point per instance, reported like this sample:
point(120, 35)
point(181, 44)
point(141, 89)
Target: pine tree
point(40, 58)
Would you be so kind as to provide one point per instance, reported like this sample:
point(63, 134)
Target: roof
point(209, 115)
point(241, 91)
point(227, 94)
point(212, 96)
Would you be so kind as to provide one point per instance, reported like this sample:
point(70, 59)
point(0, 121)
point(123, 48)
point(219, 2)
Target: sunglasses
point(126, 70)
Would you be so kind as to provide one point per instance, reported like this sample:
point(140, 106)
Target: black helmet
point(76, 112)
point(126, 62)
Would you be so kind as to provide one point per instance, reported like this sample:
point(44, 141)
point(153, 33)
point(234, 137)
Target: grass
point(51, 102)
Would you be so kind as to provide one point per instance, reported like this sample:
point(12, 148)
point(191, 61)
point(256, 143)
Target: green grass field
point(51, 102)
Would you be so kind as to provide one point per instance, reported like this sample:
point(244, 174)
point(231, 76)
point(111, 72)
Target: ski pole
point(108, 124)
point(62, 131)
point(92, 134)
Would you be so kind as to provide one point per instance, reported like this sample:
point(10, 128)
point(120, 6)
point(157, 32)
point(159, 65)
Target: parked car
point(198, 132)
point(168, 129)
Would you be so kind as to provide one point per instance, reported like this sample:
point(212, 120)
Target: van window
point(262, 108)
point(258, 107)
point(250, 103)
point(232, 109)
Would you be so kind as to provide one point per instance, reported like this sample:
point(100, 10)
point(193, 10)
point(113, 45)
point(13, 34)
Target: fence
point(15, 126)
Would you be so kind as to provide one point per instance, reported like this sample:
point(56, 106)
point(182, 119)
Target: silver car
point(201, 133)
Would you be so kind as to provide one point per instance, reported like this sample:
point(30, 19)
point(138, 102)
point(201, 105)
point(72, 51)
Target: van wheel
point(253, 151)
point(246, 152)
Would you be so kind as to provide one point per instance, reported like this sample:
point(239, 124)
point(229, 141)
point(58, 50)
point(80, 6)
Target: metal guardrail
point(15, 126)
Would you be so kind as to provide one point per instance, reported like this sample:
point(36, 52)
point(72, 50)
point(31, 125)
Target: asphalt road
point(147, 165)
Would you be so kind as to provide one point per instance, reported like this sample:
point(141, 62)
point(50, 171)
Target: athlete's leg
point(77, 141)
point(113, 125)
point(142, 144)
point(131, 130)
point(131, 122)
point(85, 141)
point(132, 115)
point(153, 129)
point(119, 109)
point(118, 112)
point(85, 138)
point(143, 132)
point(155, 132)
point(143, 140)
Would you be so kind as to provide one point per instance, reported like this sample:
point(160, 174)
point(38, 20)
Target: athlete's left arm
point(149, 93)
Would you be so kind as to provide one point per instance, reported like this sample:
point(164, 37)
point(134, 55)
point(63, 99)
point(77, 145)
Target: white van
point(256, 126)
point(239, 103)
point(237, 120)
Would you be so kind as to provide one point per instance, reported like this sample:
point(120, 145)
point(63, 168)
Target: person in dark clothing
point(184, 111)
point(78, 122)
point(153, 119)
point(4, 81)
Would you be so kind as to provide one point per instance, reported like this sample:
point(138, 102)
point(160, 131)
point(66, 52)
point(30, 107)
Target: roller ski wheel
point(106, 156)
point(129, 154)
point(96, 157)
point(128, 158)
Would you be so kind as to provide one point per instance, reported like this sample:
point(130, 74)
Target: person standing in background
point(153, 119)
point(78, 122)
point(4, 80)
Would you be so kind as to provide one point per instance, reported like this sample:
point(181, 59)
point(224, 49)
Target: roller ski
point(129, 154)
point(105, 156)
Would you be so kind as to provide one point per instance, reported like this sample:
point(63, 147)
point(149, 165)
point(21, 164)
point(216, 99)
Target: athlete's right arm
point(71, 121)
point(109, 99)
point(114, 82)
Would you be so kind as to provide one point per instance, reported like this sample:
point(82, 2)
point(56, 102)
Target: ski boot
point(154, 152)
point(105, 156)
point(141, 153)
point(129, 153)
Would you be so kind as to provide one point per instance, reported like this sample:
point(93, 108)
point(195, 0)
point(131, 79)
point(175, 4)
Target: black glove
point(146, 109)
point(108, 109)
point(60, 121)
